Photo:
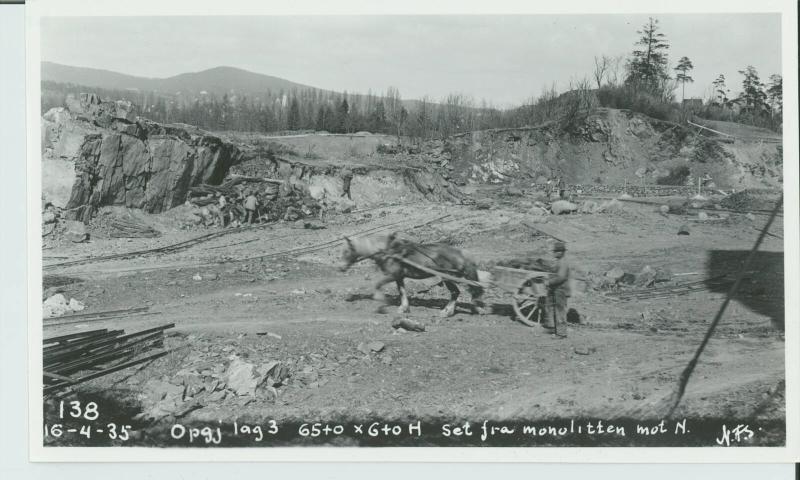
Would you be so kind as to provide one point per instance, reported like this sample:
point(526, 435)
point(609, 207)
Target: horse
point(387, 250)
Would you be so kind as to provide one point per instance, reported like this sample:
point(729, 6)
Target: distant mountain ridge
point(218, 80)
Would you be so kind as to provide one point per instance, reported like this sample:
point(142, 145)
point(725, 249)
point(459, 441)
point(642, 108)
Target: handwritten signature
point(738, 434)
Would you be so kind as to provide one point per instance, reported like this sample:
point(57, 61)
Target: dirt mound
point(608, 146)
point(748, 200)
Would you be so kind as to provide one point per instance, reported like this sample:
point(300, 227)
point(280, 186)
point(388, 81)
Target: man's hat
point(559, 247)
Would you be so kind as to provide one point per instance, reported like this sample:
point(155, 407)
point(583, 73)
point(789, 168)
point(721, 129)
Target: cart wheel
point(526, 304)
point(526, 310)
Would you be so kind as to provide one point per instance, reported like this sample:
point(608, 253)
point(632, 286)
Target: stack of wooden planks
point(79, 357)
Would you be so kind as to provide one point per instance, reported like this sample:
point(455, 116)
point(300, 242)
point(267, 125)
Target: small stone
point(406, 324)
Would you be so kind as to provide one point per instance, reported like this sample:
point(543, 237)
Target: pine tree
point(378, 120)
point(720, 91)
point(647, 67)
point(293, 120)
point(775, 93)
point(342, 116)
point(683, 69)
point(753, 98)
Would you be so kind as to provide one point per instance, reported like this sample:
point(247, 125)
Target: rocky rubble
point(617, 278)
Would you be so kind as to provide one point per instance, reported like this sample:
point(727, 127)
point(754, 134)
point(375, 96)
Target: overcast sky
point(503, 59)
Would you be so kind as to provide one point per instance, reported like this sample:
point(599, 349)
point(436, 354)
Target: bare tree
point(617, 65)
point(601, 66)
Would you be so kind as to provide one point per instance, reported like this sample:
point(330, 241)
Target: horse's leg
point(450, 309)
point(379, 295)
point(401, 287)
point(478, 306)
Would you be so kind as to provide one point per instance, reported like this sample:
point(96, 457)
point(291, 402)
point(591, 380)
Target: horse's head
point(350, 254)
point(357, 249)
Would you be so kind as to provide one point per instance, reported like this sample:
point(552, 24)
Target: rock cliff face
point(100, 153)
point(609, 147)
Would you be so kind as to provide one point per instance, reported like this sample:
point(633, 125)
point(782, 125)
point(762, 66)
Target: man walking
point(222, 206)
point(250, 206)
point(347, 177)
point(558, 291)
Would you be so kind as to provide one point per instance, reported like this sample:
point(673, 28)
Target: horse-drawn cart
point(526, 287)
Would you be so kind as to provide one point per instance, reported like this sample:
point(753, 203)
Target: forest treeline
point(644, 80)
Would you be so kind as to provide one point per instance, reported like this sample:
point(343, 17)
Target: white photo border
point(37, 9)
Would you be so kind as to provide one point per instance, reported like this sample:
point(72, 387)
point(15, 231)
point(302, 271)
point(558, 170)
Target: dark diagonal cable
point(687, 372)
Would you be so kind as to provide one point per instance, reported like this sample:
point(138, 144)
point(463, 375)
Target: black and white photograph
point(491, 230)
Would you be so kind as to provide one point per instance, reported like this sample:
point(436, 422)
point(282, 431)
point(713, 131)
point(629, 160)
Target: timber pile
point(79, 357)
point(125, 228)
point(96, 316)
point(669, 291)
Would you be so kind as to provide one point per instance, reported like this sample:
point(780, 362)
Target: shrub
point(677, 176)
point(627, 97)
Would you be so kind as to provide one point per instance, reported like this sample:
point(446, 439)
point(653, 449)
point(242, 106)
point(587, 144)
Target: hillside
point(215, 81)
point(218, 80)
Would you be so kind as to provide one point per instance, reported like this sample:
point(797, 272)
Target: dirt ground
point(624, 359)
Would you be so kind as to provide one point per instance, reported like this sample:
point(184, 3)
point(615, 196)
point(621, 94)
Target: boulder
point(615, 274)
point(513, 192)
point(611, 206)
point(55, 306)
point(683, 230)
point(241, 377)
point(75, 305)
point(48, 217)
point(561, 207)
point(646, 277)
point(664, 209)
point(574, 317)
point(588, 206)
point(75, 231)
point(663, 274)
point(124, 110)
